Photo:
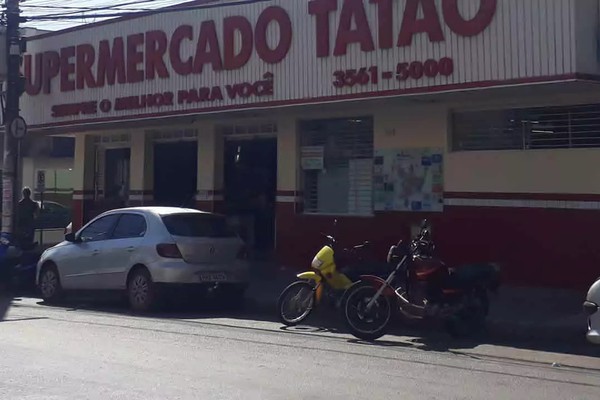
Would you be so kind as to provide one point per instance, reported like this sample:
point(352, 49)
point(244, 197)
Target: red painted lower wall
point(536, 247)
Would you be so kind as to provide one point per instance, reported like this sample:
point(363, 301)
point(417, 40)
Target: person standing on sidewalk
point(28, 211)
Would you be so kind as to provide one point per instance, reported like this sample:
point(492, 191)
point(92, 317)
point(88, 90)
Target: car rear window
point(197, 225)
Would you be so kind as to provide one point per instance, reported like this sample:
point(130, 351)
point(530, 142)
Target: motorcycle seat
point(469, 274)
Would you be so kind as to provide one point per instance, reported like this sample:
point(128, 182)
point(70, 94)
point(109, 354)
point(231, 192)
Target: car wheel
point(49, 284)
point(141, 291)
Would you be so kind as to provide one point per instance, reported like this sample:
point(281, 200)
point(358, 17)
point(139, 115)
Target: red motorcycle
point(421, 286)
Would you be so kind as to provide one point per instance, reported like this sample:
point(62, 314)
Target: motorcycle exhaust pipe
point(408, 309)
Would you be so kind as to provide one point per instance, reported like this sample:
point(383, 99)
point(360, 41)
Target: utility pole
point(15, 129)
point(14, 87)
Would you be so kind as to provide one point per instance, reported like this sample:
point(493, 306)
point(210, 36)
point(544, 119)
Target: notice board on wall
point(409, 179)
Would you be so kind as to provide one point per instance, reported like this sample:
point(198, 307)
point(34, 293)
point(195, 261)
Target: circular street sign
point(18, 128)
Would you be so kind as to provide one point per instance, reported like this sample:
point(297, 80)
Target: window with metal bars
point(560, 127)
point(344, 184)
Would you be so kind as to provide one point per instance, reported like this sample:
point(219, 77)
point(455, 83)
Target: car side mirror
point(70, 237)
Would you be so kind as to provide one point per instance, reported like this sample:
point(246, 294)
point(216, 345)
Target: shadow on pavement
point(423, 335)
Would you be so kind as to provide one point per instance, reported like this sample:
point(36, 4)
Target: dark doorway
point(250, 190)
point(116, 183)
point(175, 174)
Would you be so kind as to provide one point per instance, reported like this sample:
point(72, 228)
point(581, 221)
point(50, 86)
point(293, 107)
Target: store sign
point(144, 56)
point(155, 54)
point(311, 157)
point(244, 54)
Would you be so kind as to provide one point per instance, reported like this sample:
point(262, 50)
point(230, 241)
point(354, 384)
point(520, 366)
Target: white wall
point(524, 40)
point(572, 171)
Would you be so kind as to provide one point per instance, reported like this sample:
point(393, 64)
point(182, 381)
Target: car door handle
point(130, 249)
point(95, 252)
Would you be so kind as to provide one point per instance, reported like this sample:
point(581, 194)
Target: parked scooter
point(18, 262)
point(421, 286)
point(325, 280)
point(10, 257)
point(25, 270)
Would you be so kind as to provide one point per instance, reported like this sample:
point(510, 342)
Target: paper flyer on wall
point(409, 180)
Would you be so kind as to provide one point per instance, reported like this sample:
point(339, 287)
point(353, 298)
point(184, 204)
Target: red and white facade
point(410, 65)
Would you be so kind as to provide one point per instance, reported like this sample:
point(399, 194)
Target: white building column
point(210, 168)
point(83, 179)
point(289, 193)
point(141, 191)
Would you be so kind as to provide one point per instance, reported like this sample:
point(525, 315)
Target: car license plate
point(212, 276)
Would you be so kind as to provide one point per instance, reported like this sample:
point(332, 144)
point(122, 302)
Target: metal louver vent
point(173, 134)
point(112, 139)
point(257, 128)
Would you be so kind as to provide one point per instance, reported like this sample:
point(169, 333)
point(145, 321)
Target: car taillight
point(242, 253)
point(168, 250)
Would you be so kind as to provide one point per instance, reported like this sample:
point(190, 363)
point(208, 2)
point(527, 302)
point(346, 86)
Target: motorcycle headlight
point(316, 263)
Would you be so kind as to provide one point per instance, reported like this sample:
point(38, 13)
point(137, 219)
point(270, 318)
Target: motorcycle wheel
point(365, 325)
point(302, 298)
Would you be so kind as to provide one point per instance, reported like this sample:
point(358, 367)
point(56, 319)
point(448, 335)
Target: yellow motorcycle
point(323, 281)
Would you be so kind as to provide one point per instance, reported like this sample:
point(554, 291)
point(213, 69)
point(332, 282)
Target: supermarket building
point(481, 115)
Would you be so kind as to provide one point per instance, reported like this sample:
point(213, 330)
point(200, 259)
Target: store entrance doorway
point(116, 172)
point(175, 173)
point(250, 191)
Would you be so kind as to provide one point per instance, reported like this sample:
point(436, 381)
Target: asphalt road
point(78, 352)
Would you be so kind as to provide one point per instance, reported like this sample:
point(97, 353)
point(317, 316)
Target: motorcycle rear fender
point(310, 276)
point(376, 282)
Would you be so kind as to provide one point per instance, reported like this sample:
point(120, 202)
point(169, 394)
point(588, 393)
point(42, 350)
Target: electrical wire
point(80, 9)
point(107, 8)
point(59, 14)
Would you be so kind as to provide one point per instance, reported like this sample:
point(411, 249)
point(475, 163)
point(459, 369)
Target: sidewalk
point(266, 284)
point(538, 313)
point(517, 313)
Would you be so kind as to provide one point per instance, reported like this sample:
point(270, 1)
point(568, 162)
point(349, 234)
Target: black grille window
point(527, 128)
point(344, 184)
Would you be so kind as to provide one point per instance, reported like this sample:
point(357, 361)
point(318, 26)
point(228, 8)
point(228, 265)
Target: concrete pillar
point(141, 190)
point(83, 179)
point(289, 193)
point(210, 169)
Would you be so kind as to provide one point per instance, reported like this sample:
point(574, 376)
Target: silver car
point(140, 250)
point(592, 308)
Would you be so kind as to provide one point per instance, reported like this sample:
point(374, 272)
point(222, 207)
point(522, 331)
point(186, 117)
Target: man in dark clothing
point(27, 212)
